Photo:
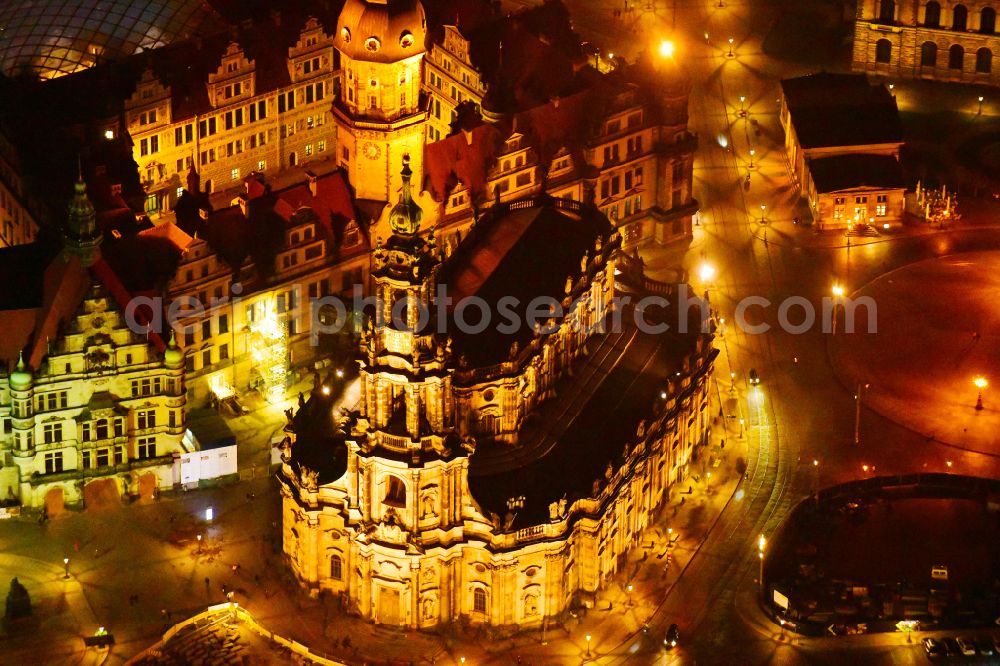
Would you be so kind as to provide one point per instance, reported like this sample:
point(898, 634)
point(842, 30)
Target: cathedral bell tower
point(406, 387)
point(377, 111)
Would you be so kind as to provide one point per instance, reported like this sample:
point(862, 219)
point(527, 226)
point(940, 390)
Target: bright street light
point(761, 544)
point(588, 645)
point(667, 48)
point(838, 291)
point(706, 272)
point(730, 54)
point(762, 209)
point(980, 383)
point(743, 110)
point(66, 568)
point(980, 104)
point(752, 152)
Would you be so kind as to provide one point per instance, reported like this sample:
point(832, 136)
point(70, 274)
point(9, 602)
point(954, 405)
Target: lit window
point(261, 165)
point(235, 174)
point(479, 600)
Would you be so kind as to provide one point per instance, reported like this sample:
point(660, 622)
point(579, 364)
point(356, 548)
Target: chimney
point(312, 182)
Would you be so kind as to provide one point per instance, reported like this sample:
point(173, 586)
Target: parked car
point(933, 648)
point(754, 377)
point(985, 646)
point(950, 646)
point(966, 646)
point(673, 635)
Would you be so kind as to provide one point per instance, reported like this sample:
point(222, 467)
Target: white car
point(966, 646)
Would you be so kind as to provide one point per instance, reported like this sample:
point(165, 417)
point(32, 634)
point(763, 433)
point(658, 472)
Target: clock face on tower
point(371, 150)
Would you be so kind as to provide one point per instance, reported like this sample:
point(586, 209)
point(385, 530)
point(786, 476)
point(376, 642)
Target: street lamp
point(762, 209)
point(706, 272)
point(816, 479)
point(65, 568)
point(761, 544)
point(838, 293)
point(629, 588)
point(741, 428)
point(743, 111)
point(588, 645)
point(667, 48)
point(980, 383)
point(752, 152)
point(980, 105)
point(199, 544)
point(730, 54)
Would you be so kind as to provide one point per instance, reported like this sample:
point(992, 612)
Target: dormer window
point(372, 44)
point(231, 66)
point(406, 39)
point(345, 34)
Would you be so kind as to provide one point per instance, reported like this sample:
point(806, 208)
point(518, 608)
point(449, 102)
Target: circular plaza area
point(937, 333)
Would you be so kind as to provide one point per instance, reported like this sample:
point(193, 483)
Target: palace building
point(493, 473)
point(930, 40)
point(92, 410)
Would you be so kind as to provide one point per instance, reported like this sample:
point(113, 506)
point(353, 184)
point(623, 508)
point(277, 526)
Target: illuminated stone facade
point(933, 40)
point(92, 410)
point(387, 506)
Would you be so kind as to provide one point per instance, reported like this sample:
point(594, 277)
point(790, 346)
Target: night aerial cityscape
point(541, 332)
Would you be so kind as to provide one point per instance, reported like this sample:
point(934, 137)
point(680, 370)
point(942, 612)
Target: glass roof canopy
point(50, 38)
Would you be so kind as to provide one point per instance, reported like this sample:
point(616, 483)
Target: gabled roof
point(844, 172)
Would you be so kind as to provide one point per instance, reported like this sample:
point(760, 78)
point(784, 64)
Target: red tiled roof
point(170, 232)
point(64, 285)
point(466, 156)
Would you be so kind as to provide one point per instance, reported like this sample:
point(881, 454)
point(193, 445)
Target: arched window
point(479, 600)
point(883, 50)
point(959, 17)
point(395, 492)
point(887, 11)
point(928, 54)
point(988, 21)
point(932, 15)
point(984, 60)
point(955, 56)
point(336, 567)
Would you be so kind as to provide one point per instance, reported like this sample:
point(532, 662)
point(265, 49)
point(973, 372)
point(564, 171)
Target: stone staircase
point(862, 230)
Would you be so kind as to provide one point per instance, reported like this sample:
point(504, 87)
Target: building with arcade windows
point(929, 40)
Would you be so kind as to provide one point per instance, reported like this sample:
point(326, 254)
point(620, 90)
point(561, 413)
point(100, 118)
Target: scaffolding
point(269, 350)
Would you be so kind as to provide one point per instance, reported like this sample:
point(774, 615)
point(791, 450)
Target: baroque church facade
point(491, 476)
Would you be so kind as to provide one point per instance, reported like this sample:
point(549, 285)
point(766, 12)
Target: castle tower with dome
point(377, 111)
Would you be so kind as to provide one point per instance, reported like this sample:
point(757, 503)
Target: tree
point(18, 601)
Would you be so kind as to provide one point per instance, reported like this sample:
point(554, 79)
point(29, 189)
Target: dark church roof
point(577, 435)
point(520, 253)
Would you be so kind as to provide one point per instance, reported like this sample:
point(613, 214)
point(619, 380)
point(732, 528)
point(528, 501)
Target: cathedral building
point(92, 409)
point(492, 473)
point(928, 40)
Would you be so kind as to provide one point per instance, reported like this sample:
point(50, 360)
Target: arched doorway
point(147, 486)
point(988, 21)
point(959, 18)
point(887, 11)
point(54, 502)
point(928, 54)
point(932, 15)
point(956, 54)
point(883, 51)
point(101, 494)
